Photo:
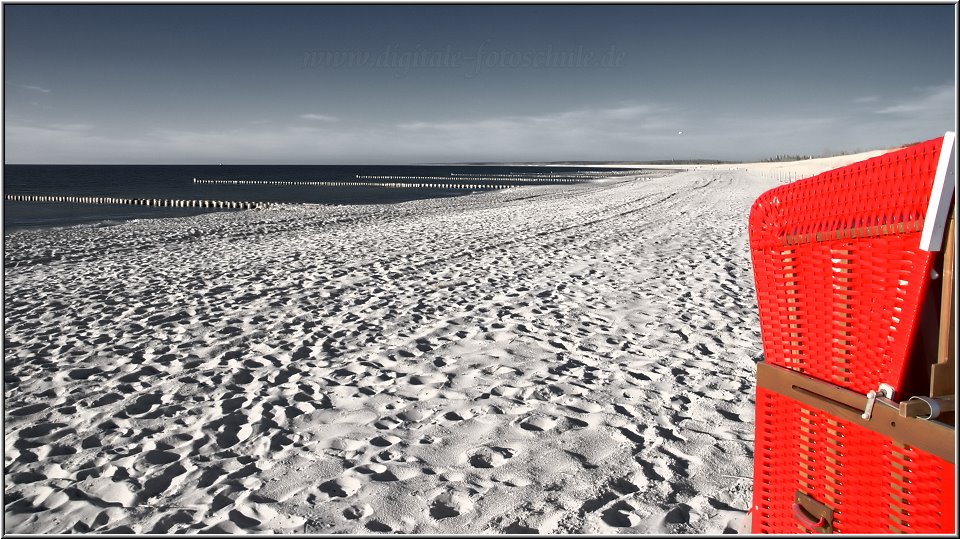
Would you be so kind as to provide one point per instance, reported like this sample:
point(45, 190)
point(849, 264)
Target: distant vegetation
point(775, 159)
point(624, 164)
point(826, 153)
point(909, 144)
point(686, 162)
point(785, 157)
point(628, 163)
point(800, 157)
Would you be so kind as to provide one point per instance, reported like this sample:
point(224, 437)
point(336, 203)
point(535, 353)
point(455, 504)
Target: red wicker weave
point(855, 471)
point(839, 280)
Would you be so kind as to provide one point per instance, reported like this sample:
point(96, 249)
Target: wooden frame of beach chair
point(854, 408)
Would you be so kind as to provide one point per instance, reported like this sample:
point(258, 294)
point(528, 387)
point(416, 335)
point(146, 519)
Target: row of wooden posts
point(243, 205)
point(547, 176)
point(493, 177)
point(355, 184)
point(225, 204)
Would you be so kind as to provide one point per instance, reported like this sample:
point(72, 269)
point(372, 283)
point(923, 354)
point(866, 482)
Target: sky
point(377, 84)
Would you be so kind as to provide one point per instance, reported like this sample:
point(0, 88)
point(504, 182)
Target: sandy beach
point(552, 359)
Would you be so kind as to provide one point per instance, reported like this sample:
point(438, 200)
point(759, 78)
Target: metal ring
point(934, 407)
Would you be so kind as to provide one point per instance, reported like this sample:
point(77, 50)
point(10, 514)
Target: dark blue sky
point(400, 84)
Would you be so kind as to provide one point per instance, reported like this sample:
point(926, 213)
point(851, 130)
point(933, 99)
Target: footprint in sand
point(450, 504)
point(341, 487)
point(569, 423)
point(41, 430)
point(377, 526)
point(621, 515)
point(731, 416)
point(160, 483)
point(539, 423)
point(29, 409)
point(490, 457)
point(519, 527)
point(356, 512)
point(678, 515)
point(144, 404)
point(458, 415)
point(385, 441)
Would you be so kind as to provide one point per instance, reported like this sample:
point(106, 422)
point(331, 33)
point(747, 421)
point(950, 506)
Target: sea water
point(177, 182)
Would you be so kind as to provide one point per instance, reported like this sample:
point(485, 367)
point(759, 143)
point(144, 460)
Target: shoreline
point(61, 203)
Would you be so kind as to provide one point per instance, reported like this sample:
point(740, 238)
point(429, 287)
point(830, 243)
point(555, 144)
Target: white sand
point(558, 359)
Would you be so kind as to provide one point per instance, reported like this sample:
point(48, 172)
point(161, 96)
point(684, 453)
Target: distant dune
point(819, 164)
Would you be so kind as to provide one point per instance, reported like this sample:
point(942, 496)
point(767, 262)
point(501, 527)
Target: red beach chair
point(854, 408)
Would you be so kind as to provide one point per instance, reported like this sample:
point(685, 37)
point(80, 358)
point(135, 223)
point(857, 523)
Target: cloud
point(72, 127)
point(620, 131)
point(77, 144)
point(587, 133)
point(504, 138)
point(36, 88)
point(622, 113)
point(598, 120)
point(320, 117)
point(624, 131)
point(935, 99)
point(867, 99)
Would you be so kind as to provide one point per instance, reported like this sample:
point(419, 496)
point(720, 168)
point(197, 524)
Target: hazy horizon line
point(464, 163)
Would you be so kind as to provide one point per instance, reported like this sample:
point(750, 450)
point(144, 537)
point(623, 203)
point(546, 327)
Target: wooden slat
point(931, 436)
point(943, 373)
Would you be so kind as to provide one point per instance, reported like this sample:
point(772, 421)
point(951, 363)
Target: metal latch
point(885, 390)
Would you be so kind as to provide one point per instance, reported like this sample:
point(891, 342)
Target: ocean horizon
point(356, 184)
